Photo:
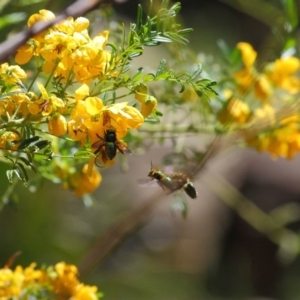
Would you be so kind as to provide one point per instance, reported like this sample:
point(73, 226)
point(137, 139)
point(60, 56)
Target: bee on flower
point(108, 145)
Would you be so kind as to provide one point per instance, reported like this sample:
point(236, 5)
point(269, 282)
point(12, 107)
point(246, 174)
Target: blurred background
point(129, 241)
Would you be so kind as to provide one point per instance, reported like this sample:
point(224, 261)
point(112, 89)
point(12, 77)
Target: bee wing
point(98, 146)
point(106, 119)
point(122, 148)
point(147, 182)
point(179, 180)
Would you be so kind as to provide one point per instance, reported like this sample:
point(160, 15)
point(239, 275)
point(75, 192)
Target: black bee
point(111, 144)
point(173, 182)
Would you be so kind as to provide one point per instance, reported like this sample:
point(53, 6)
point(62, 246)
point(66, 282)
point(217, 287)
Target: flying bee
point(111, 144)
point(173, 182)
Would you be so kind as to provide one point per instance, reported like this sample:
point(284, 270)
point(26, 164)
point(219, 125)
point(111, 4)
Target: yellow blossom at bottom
point(58, 282)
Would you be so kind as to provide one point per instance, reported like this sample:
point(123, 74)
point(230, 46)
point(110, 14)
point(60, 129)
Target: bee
point(111, 144)
point(173, 182)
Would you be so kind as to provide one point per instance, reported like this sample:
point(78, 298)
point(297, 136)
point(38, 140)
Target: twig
point(79, 8)
point(117, 233)
point(126, 225)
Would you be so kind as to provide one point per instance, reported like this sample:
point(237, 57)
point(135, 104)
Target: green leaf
point(9, 175)
point(25, 143)
point(138, 75)
point(21, 171)
point(163, 76)
point(8, 158)
point(42, 144)
point(158, 113)
point(83, 154)
point(161, 67)
point(137, 52)
point(126, 78)
point(149, 77)
point(13, 18)
point(197, 72)
point(151, 43)
point(182, 87)
point(185, 31)
point(139, 19)
point(176, 8)
point(162, 39)
point(291, 10)
point(28, 164)
point(126, 68)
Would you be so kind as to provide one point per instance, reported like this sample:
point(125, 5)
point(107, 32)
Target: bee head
point(111, 130)
point(156, 174)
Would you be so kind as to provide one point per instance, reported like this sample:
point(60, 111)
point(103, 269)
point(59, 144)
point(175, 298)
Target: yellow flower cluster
point(66, 48)
point(58, 282)
point(70, 56)
point(278, 74)
point(275, 134)
point(261, 125)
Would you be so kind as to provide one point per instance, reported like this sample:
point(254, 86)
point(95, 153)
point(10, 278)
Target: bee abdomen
point(190, 190)
point(110, 150)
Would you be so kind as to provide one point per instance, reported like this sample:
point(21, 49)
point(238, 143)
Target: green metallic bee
point(173, 182)
point(108, 145)
point(111, 144)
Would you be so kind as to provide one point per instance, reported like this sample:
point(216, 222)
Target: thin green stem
point(34, 78)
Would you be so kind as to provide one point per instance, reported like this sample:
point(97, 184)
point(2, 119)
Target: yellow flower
point(82, 92)
point(11, 74)
point(85, 118)
point(25, 52)
point(84, 292)
point(43, 16)
point(58, 282)
point(14, 283)
point(148, 107)
point(94, 105)
point(262, 87)
point(57, 52)
point(57, 125)
point(123, 116)
point(69, 26)
point(235, 111)
point(281, 74)
point(84, 183)
point(249, 78)
point(58, 46)
point(46, 104)
point(248, 54)
point(9, 140)
point(81, 24)
point(245, 77)
point(282, 140)
point(149, 103)
point(265, 115)
point(189, 95)
point(76, 128)
point(91, 60)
